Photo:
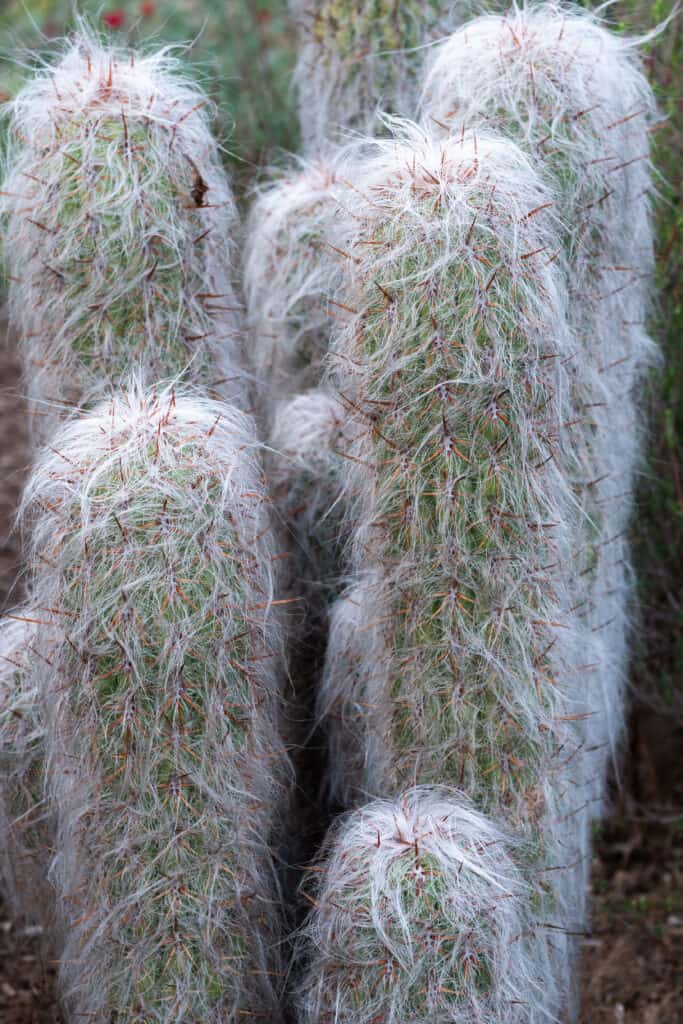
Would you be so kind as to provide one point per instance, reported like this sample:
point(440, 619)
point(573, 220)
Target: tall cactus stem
point(152, 553)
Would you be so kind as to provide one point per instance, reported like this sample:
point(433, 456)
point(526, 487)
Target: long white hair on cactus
point(420, 914)
point(310, 436)
point(407, 360)
point(360, 57)
point(459, 658)
point(119, 230)
point(291, 275)
point(153, 562)
point(25, 823)
point(573, 94)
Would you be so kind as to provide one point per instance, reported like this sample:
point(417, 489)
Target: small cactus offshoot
point(421, 914)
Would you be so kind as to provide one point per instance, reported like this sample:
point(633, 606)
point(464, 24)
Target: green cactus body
point(118, 223)
point(466, 509)
point(26, 832)
point(460, 498)
point(573, 95)
point(360, 55)
point(163, 741)
point(155, 314)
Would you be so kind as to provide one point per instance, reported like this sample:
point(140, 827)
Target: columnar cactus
point(293, 273)
point(119, 228)
point(25, 826)
point(154, 571)
point(422, 914)
point(358, 57)
point(455, 654)
point(573, 95)
point(291, 276)
point(456, 359)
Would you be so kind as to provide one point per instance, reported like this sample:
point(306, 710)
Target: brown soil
point(632, 964)
point(632, 969)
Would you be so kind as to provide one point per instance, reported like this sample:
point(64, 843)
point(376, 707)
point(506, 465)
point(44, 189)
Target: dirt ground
point(632, 962)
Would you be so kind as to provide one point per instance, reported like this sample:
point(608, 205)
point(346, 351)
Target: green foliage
point(353, 28)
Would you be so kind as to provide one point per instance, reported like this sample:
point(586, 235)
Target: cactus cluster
point(446, 334)
point(141, 731)
point(487, 360)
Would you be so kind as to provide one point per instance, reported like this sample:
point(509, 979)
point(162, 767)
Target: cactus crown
point(420, 916)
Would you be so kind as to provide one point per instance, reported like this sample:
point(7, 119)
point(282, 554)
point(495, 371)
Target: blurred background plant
point(658, 529)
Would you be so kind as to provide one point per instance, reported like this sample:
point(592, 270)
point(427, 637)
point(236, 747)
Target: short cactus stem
point(292, 275)
point(573, 95)
point(26, 832)
point(152, 551)
point(422, 915)
point(310, 435)
point(358, 57)
point(119, 226)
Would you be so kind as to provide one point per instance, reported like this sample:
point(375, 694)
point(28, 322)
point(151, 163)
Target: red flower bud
point(147, 9)
point(113, 19)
